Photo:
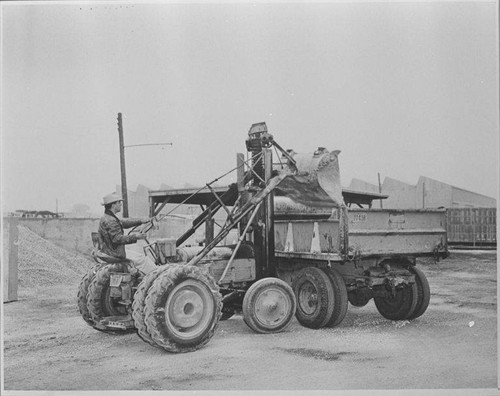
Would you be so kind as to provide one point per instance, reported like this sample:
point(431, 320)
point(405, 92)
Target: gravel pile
point(41, 263)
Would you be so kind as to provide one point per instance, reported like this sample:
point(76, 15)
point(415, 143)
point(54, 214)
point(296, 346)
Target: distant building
point(427, 193)
point(36, 214)
point(138, 201)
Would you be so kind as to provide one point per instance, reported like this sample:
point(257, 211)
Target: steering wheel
point(142, 228)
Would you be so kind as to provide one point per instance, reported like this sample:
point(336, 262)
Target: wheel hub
point(271, 307)
point(308, 298)
point(189, 309)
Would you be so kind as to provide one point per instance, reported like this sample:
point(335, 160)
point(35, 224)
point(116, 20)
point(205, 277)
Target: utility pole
point(380, 190)
point(122, 162)
point(122, 166)
point(423, 195)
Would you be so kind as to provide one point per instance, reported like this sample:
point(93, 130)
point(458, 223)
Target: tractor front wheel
point(138, 304)
point(182, 308)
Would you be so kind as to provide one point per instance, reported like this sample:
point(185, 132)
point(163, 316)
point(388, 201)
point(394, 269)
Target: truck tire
point(340, 300)
point(83, 290)
point(138, 304)
point(99, 302)
point(182, 308)
point(399, 307)
point(269, 305)
point(423, 293)
point(315, 297)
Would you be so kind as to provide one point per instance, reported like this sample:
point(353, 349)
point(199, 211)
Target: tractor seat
point(101, 257)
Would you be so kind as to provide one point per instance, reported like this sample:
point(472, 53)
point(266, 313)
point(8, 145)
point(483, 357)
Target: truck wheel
point(398, 307)
point(315, 297)
point(340, 300)
point(99, 302)
point(423, 293)
point(138, 304)
point(182, 308)
point(269, 305)
point(83, 290)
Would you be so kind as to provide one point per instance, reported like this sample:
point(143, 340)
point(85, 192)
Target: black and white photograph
point(249, 197)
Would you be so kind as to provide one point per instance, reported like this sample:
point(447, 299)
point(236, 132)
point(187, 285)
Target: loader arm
point(242, 212)
point(230, 194)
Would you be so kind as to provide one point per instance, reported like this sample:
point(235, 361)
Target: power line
point(150, 144)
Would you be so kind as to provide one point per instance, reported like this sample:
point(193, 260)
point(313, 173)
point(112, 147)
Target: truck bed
point(372, 233)
point(386, 231)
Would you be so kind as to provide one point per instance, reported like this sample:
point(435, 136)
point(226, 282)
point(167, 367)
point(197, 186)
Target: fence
point(472, 227)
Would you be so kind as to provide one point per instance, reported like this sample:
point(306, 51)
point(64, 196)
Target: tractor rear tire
point(315, 297)
point(138, 304)
point(340, 300)
point(82, 295)
point(269, 305)
point(399, 307)
point(99, 302)
point(182, 308)
point(423, 293)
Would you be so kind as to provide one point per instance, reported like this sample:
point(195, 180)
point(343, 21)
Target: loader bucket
point(317, 182)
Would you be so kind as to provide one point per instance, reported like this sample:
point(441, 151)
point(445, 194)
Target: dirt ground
point(47, 346)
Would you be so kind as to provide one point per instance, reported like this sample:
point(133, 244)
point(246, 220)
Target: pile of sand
point(41, 263)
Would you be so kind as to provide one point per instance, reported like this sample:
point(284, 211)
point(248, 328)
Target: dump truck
point(300, 251)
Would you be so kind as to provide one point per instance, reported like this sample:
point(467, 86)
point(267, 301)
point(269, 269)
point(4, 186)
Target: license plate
point(116, 325)
point(358, 217)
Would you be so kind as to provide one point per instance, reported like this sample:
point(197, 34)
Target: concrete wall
point(70, 234)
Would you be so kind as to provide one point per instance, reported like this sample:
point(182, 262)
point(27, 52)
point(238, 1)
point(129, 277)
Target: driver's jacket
point(113, 240)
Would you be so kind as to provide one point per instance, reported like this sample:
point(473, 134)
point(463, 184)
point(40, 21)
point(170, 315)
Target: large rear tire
point(269, 305)
point(315, 297)
point(423, 293)
point(400, 306)
point(182, 308)
point(83, 290)
point(99, 302)
point(340, 300)
point(138, 304)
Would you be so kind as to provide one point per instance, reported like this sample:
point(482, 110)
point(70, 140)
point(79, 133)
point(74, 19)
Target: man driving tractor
point(113, 239)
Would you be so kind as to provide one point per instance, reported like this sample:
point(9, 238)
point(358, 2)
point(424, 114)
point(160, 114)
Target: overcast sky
point(404, 89)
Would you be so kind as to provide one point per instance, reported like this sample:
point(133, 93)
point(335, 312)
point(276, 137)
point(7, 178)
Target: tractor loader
point(300, 251)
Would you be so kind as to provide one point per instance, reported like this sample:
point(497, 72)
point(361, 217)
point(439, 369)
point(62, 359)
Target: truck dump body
point(375, 232)
point(372, 233)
